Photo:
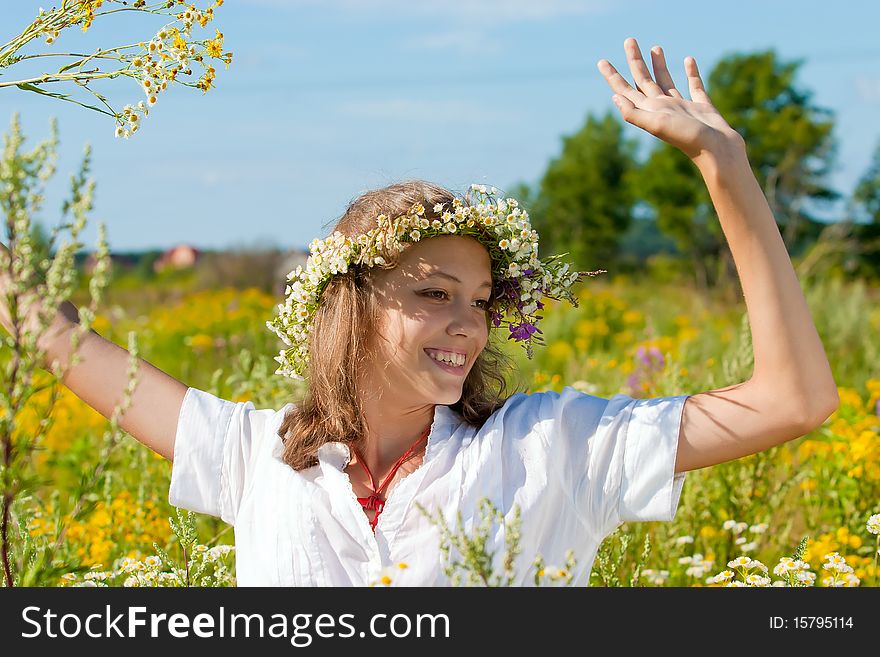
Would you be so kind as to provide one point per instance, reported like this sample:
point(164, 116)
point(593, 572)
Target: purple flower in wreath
point(507, 289)
point(522, 331)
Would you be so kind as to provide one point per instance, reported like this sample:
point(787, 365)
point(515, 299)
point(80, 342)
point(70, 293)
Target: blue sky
point(327, 99)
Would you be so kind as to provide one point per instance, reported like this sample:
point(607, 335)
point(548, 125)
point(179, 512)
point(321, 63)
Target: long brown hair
point(331, 409)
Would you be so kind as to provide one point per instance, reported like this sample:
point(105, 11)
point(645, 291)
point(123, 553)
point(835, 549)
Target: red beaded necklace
point(373, 501)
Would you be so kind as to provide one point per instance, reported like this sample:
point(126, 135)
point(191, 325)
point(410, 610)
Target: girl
point(391, 322)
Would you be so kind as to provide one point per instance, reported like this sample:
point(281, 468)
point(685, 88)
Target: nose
point(467, 320)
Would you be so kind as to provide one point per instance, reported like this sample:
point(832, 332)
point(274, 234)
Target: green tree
point(672, 187)
point(865, 209)
point(866, 196)
point(789, 139)
point(790, 148)
point(582, 205)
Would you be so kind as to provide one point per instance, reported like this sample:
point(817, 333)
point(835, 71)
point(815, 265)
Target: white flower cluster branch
point(173, 55)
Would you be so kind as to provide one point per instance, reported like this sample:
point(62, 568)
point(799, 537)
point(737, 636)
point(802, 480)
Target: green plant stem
point(54, 77)
point(876, 554)
point(31, 32)
point(14, 399)
point(186, 564)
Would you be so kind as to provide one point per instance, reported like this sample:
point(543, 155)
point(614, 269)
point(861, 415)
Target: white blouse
point(576, 465)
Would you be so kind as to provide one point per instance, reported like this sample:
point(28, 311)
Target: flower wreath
point(520, 278)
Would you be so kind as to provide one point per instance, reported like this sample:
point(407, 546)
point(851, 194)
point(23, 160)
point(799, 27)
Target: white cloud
point(268, 55)
point(868, 90)
point(466, 41)
point(213, 178)
point(490, 11)
point(428, 111)
point(461, 26)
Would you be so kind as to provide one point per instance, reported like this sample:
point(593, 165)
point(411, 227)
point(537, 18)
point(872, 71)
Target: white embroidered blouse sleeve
point(214, 448)
point(621, 454)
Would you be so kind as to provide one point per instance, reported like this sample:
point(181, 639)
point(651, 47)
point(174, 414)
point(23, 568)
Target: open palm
point(693, 126)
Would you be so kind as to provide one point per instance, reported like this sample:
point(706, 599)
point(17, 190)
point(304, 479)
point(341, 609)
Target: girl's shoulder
point(525, 414)
point(530, 406)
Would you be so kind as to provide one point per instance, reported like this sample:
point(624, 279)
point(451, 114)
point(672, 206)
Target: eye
point(430, 293)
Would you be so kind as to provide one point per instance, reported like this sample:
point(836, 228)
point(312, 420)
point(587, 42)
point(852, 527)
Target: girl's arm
point(100, 377)
point(791, 390)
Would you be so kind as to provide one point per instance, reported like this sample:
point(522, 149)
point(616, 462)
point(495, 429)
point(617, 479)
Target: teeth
point(453, 359)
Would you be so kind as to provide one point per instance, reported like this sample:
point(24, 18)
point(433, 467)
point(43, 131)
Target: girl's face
point(425, 312)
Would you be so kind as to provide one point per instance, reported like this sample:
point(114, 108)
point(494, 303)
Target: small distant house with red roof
point(181, 256)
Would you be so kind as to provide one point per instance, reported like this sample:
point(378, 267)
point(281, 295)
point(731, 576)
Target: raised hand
point(693, 126)
point(65, 316)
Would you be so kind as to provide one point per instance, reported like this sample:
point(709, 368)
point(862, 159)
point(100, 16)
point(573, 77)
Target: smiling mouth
point(448, 367)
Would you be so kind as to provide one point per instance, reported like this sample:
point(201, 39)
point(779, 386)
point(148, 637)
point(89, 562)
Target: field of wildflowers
point(808, 508)
point(85, 505)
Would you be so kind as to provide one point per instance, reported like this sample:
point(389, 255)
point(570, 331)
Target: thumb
point(628, 110)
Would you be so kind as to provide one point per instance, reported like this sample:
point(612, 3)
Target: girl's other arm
point(100, 378)
point(101, 375)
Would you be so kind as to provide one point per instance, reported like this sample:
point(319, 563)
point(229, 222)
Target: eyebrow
point(443, 274)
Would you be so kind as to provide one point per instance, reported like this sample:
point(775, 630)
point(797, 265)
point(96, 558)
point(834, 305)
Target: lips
point(428, 351)
point(447, 367)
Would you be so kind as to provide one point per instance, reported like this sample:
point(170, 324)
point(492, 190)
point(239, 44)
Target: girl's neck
point(391, 432)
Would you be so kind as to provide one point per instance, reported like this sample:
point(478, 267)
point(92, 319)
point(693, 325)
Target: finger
point(640, 70)
point(695, 82)
point(649, 121)
point(661, 72)
point(617, 82)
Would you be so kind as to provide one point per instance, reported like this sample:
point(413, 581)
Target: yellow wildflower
point(214, 47)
